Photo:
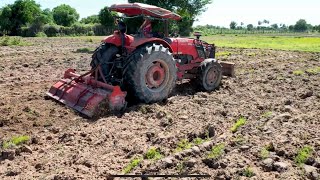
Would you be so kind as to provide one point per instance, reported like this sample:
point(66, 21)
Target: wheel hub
point(155, 75)
point(212, 76)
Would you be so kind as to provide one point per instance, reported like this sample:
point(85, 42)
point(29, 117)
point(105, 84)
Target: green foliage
point(313, 71)
point(18, 14)
point(51, 30)
point(264, 153)
point(267, 114)
point(303, 155)
point(15, 141)
point(216, 151)
point(133, 163)
point(65, 15)
point(41, 34)
point(301, 25)
point(240, 122)
point(153, 154)
point(250, 27)
point(183, 144)
point(12, 41)
point(248, 172)
point(198, 141)
point(90, 20)
point(224, 54)
point(233, 25)
point(298, 72)
point(187, 9)
point(106, 17)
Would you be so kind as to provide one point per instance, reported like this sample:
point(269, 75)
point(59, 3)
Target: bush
point(52, 30)
point(101, 30)
point(41, 34)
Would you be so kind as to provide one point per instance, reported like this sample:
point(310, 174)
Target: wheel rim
point(212, 76)
point(156, 75)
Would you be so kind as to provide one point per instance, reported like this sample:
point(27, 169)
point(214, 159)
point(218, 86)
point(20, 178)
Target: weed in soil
point(248, 172)
point(267, 114)
point(133, 163)
point(264, 153)
point(15, 141)
point(153, 154)
point(182, 145)
point(313, 71)
point(240, 122)
point(303, 155)
point(216, 151)
point(198, 141)
point(298, 72)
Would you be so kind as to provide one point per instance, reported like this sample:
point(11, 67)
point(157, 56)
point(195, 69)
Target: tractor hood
point(134, 9)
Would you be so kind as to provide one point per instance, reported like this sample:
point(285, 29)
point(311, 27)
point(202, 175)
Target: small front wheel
point(209, 74)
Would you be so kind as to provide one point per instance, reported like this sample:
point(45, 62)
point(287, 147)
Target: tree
point(250, 27)
point(301, 26)
point(49, 16)
point(18, 14)
point(233, 25)
point(275, 26)
point(90, 20)
point(65, 15)
point(106, 17)
point(187, 9)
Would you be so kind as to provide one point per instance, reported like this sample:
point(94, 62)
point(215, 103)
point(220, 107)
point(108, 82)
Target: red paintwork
point(132, 43)
point(134, 9)
point(116, 39)
point(185, 46)
point(85, 94)
point(155, 75)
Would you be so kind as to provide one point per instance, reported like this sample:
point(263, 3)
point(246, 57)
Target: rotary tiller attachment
point(86, 94)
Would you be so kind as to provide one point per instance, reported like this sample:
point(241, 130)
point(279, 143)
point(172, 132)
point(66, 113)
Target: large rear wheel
point(151, 74)
point(104, 55)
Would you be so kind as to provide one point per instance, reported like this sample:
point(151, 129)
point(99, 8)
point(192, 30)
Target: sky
point(220, 12)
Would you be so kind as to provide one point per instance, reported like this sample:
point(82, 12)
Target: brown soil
point(281, 108)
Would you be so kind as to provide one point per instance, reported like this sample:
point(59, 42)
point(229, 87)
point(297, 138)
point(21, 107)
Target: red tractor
point(144, 67)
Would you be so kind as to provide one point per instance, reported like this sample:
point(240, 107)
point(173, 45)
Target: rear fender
point(115, 39)
point(142, 42)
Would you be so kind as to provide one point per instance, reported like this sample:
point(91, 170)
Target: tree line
point(26, 18)
point(264, 26)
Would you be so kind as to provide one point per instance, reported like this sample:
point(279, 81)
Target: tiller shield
point(86, 94)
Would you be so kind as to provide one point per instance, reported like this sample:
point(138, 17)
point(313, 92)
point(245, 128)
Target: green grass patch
point(248, 172)
point(303, 43)
point(298, 72)
point(267, 114)
point(153, 154)
point(84, 50)
point(239, 140)
point(223, 54)
point(313, 71)
point(303, 155)
point(216, 151)
point(240, 122)
point(198, 141)
point(264, 153)
point(132, 164)
point(12, 41)
point(15, 141)
point(183, 144)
